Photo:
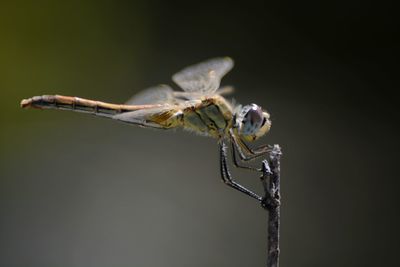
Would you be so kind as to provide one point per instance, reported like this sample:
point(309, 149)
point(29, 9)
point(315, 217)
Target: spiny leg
point(226, 176)
point(236, 162)
point(252, 153)
point(261, 150)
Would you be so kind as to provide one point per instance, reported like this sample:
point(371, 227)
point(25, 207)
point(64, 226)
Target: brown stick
point(271, 182)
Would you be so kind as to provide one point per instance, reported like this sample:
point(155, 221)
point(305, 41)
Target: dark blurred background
point(76, 190)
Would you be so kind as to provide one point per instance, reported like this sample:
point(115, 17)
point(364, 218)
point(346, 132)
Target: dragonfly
point(199, 107)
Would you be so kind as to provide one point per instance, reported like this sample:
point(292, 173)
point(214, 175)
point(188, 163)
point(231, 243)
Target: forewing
point(205, 77)
point(160, 94)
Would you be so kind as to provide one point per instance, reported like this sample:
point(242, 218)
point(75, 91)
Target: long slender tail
point(79, 105)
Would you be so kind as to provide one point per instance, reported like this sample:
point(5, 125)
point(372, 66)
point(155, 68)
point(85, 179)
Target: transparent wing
point(205, 77)
point(160, 94)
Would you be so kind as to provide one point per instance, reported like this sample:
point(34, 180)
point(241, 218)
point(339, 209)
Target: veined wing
point(161, 115)
point(205, 77)
point(160, 94)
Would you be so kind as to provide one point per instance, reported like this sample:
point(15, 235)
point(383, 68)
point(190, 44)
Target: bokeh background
point(76, 190)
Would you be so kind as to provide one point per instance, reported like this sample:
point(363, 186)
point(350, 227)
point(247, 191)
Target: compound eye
point(253, 120)
point(255, 115)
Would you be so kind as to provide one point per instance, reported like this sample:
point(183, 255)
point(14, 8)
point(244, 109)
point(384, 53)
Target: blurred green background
point(76, 190)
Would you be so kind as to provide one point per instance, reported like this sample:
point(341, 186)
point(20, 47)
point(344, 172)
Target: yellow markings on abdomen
point(167, 119)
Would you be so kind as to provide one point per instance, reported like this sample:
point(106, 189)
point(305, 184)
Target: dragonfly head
point(252, 122)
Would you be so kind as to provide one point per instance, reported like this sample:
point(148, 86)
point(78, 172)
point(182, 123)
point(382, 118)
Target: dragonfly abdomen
point(78, 104)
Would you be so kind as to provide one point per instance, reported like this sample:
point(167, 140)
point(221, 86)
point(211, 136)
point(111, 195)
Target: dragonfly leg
point(239, 165)
point(226, 176)
point(241, 148)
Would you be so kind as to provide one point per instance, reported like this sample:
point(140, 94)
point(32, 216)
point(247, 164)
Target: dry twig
point(271, 182)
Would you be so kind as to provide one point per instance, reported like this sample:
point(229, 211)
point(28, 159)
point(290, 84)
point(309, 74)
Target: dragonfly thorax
point(252, 122)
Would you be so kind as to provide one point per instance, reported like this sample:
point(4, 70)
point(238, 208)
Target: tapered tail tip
point(26, 103)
